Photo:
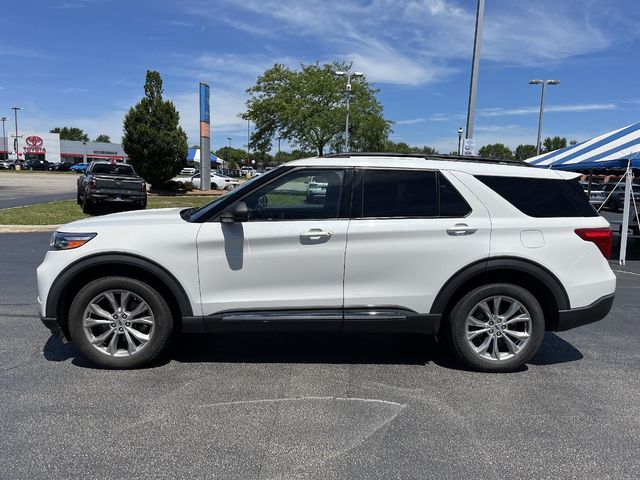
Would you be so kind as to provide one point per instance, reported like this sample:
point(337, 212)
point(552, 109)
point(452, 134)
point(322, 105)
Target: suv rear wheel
point(497, 327)
point(120, 322)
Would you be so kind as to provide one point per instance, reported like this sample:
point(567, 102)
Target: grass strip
point(65, 211)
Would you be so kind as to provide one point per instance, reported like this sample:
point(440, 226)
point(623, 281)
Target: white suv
point(488, 255)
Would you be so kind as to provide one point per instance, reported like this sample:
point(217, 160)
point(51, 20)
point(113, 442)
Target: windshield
point(195, 214)
point(113, 169)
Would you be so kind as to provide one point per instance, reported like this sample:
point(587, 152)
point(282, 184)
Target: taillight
point(602, 237)
point(143, 187)
point(92, 184)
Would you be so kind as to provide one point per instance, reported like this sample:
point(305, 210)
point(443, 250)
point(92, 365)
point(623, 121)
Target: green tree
point(403, 147)
point(554, 143)
point(525, 151)
point(103, 138)
point(71, 133)
point(233, 156)
point(307, 108)
point(153, 139)
point(496, 150)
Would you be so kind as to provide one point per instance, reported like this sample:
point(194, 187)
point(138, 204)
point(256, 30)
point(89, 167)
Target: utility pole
point(15, 142)
point(475, 66)
point(248, 137)
point(346, 129)
point(544, 83)
point(4, 137)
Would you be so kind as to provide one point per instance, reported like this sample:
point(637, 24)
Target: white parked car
point(489, 255)
point(188, 171)
point(218, 182)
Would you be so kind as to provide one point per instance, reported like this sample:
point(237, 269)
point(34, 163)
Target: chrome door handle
point(460, 229)
point(315, 234)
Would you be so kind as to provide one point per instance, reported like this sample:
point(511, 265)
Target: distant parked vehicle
point(106, 183)
point(79, 167)
point(218, 182)
point(60, 167)
point(188, 171)
point(616, 200)
point(36, 165)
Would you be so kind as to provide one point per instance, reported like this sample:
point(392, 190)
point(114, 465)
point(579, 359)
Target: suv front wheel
point(120, 322)
point(496, 327)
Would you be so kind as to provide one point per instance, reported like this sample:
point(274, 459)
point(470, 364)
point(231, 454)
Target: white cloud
point(501, 112)
point(410, 121)
point(422, 41)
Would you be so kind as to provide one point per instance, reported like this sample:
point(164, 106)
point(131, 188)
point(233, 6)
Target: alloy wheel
point(118, 323)
point(498, 328)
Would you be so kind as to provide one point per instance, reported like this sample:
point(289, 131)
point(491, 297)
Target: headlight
point(69, 241)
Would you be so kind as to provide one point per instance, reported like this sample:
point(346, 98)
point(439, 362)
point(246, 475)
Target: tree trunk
point(320, 150)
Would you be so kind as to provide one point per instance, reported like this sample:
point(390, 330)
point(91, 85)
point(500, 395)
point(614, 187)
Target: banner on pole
point(205, 135)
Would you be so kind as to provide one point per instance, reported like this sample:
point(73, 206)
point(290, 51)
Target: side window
point(542, 197)
point(452, 204)
point(399, 193)
point(300, 195)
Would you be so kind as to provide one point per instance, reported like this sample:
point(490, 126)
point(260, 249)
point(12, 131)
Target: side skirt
point(360, 319)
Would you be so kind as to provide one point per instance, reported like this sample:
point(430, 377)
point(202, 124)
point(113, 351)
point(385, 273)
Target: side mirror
point(238, 212)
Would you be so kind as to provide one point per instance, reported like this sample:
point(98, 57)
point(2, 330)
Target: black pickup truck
point(111, 184)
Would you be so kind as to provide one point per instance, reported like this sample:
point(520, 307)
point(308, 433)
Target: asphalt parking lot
point(28, 188)
point(324, 407)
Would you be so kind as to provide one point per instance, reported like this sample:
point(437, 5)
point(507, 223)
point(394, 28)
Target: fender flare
point(500, 263)
point(68, 274)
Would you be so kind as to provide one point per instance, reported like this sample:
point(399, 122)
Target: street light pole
point(544, 83)
point(346, 128)
point(229, 138)
point(15, 142)
point(460, 141)
point(475, 67)
point(248, 136)
point(4, 137)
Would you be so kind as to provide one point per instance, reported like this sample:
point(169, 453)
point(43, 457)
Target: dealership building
point(49, 147)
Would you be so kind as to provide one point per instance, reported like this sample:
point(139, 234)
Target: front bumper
point(575, 317)
point(53, 326)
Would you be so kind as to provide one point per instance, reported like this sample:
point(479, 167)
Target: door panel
point(277, 259)
point(403, 262)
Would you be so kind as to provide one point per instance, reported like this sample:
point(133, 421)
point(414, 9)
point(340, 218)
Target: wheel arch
point(78, 274)
point(542, 283)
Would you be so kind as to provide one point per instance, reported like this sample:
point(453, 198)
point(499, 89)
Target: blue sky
point(82, 62)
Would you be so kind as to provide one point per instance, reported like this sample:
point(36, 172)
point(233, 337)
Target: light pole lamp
point(544, 83)
point(340, 73)
point(229, 138)
point(15, 116)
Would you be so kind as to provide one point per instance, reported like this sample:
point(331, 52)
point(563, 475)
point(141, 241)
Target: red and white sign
point(34, 144)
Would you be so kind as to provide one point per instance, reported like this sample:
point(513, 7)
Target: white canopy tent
point(619, 149)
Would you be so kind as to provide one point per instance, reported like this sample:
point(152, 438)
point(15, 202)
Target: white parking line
point(624, 271)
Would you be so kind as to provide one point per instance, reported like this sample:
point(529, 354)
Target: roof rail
point(433, 156)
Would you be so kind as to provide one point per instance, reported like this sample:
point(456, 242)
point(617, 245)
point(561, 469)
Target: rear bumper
point(575, 317)
point(116, 198)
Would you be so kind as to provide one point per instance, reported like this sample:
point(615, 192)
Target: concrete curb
point(27, 228)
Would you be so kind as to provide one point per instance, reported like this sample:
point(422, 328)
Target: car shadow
point(303, 348)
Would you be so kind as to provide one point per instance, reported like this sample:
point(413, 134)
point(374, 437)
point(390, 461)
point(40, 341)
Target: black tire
point(88, 206)
point(162, 330)
point(457, 328)
point(214, 186)
point(78, 199)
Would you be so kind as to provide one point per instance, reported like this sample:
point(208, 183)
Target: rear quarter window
point(542, 197)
